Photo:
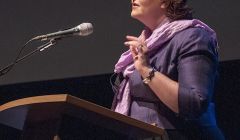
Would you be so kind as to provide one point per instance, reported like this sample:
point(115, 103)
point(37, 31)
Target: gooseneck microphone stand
point(41, 48)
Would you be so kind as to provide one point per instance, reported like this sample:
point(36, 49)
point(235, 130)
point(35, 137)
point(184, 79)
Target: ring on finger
point(135, 57)
point(140, 46)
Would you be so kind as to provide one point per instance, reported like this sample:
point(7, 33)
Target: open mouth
point(135, 5)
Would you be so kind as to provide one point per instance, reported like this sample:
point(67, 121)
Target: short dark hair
point(178, 9)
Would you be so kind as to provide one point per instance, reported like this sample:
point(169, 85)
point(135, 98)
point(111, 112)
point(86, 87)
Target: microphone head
point(85, 29)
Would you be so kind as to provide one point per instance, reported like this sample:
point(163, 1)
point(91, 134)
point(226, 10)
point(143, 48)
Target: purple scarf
point(163, 33)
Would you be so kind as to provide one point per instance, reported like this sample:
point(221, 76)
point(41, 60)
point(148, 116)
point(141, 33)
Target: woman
point(167, 75)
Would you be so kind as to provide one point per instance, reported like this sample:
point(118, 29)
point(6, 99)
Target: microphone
point(83, 29)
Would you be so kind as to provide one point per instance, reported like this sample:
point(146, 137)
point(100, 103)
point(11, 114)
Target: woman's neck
point(153, 24)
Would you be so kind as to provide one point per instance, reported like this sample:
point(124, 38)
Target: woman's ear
point(163, 4)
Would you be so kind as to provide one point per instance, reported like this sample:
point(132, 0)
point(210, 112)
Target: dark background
point(97, 53)
point(81, 66)
point(97, 89)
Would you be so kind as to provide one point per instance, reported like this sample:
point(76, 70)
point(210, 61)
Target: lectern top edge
point(74, 101)
point(34, 100)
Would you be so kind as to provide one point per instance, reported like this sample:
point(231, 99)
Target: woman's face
point(145, 9)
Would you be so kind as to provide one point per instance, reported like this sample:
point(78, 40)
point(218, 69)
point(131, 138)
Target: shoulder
point(194, 34)
point(196, 40)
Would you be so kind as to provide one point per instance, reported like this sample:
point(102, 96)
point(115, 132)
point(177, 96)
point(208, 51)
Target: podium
point(50, 117)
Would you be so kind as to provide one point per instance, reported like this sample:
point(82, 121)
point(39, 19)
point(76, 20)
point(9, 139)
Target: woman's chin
point(135, 15)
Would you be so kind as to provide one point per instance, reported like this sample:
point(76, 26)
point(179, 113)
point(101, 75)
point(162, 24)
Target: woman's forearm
point(164, 88)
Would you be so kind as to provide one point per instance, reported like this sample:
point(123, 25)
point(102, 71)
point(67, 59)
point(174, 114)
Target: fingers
point(137, 52)
point(136, 46)
point(132, 38)
point(132, 48)
point(132, 45)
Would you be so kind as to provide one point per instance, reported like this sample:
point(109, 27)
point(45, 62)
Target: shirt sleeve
point(197, 69)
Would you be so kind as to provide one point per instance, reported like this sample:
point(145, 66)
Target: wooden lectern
point(48, 118)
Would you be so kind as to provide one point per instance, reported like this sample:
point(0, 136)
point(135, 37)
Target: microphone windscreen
point(85, 29)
